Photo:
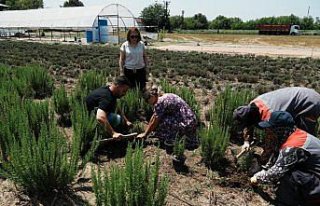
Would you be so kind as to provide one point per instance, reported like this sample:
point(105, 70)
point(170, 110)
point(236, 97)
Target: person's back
point(298, 101)
point(101, 98)
point(301, 139)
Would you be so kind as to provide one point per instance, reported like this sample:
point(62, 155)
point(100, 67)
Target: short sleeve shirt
point(103, 99)
point(133, 55)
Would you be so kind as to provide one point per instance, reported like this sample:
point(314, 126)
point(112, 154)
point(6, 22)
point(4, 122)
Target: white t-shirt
point(133, 55)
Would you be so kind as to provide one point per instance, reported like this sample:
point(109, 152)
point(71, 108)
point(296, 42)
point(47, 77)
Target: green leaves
point(215, 138)
point(179, 146)
point(138, 183)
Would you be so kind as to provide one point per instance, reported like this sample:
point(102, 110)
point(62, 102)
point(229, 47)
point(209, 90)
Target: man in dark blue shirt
point(104, 99)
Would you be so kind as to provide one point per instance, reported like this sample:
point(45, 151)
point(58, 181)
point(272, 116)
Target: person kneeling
point(297, 167)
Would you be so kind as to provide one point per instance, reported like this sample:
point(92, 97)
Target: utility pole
point(308, 11)
point(166, 15)
point(182, 19)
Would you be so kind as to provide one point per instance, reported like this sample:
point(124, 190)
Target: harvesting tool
point(124, 136)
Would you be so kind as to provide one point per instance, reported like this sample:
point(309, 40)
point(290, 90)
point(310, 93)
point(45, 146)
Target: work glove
point(245, 146)
point(253, 180)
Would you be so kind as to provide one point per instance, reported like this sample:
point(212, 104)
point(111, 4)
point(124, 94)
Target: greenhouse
point(96, 24)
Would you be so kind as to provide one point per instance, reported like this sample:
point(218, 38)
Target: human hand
point(116, 135)
point(141, 136)
point(129, 124)
point(245, 146)
point(253, 180)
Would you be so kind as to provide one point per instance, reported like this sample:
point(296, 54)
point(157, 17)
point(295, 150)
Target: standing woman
point(133, 60)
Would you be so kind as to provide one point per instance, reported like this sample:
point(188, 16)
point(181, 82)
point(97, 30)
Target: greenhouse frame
point(96, 23)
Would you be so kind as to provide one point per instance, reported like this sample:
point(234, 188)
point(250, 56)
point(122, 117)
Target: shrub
point(179, 147)
point(132, 103)
point(225, 103)
point(91, 80)
point(38, 114)
point(84, 128)
point(88, 82)
point(136, 184)
point(39, 80)
point(41, 165)
point(22, 87)
point(61, 101)
point(62, 106)
point(214, 141)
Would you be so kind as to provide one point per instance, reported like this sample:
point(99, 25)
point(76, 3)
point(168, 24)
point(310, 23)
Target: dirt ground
point(284, 46)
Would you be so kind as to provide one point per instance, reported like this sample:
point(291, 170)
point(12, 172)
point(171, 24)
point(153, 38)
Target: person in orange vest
point(297, 167)
point(302, 103)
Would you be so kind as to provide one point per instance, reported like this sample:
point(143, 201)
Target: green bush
point(84, 128)
point(179, 147)
point(136, 184)
point(61, 101)
point(39, 80)
point(88, 82)
point(214, 141)
point(62, 106)
point(132, 103)
point(41, 165)
point(225, 103)
point(38, 114)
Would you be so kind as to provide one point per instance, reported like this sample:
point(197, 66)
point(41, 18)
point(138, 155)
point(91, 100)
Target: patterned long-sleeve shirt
point(288, 158)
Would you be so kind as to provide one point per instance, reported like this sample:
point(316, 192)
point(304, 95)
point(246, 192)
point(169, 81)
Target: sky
point(244, 9)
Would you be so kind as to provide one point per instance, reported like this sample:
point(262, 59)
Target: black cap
point(241, 113)
point(278, 119)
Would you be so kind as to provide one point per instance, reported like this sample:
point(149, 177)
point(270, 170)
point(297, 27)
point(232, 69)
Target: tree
point(24, 4)
point(221, 22)
point(71, 3)
point(317, 23)
point(200, 21)
point(154, 15)
point(307, 23)
point(236, 23)
point(176, 22)
point(188, 23)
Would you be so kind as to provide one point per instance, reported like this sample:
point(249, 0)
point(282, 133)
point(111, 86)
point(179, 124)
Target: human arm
point(128, 123)
point(122, 58)
point(145, 59)
point(247, 137)
point(153, 123)
point(287, 159)
point(101, 117)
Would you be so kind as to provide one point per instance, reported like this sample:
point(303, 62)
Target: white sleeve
point(122, 48)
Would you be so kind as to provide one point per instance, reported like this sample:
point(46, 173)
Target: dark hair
point(147, 94)
point(122, 80)
point(133, 29)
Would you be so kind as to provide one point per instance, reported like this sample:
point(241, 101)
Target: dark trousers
point(137, 78)
point(298, 188)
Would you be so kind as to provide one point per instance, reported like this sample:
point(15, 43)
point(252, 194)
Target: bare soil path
point(286, 46)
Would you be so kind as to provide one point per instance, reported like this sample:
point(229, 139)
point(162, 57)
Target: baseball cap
point(241, 113)
point(278, 119)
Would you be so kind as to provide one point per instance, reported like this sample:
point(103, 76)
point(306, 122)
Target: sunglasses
point(134, 36)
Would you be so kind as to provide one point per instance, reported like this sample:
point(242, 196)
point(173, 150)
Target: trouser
point(137, 77)
point(298, 188)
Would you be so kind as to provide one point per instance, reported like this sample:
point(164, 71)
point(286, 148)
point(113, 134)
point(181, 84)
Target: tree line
point(34, 4)
point(157, 16)
point(154, 15)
